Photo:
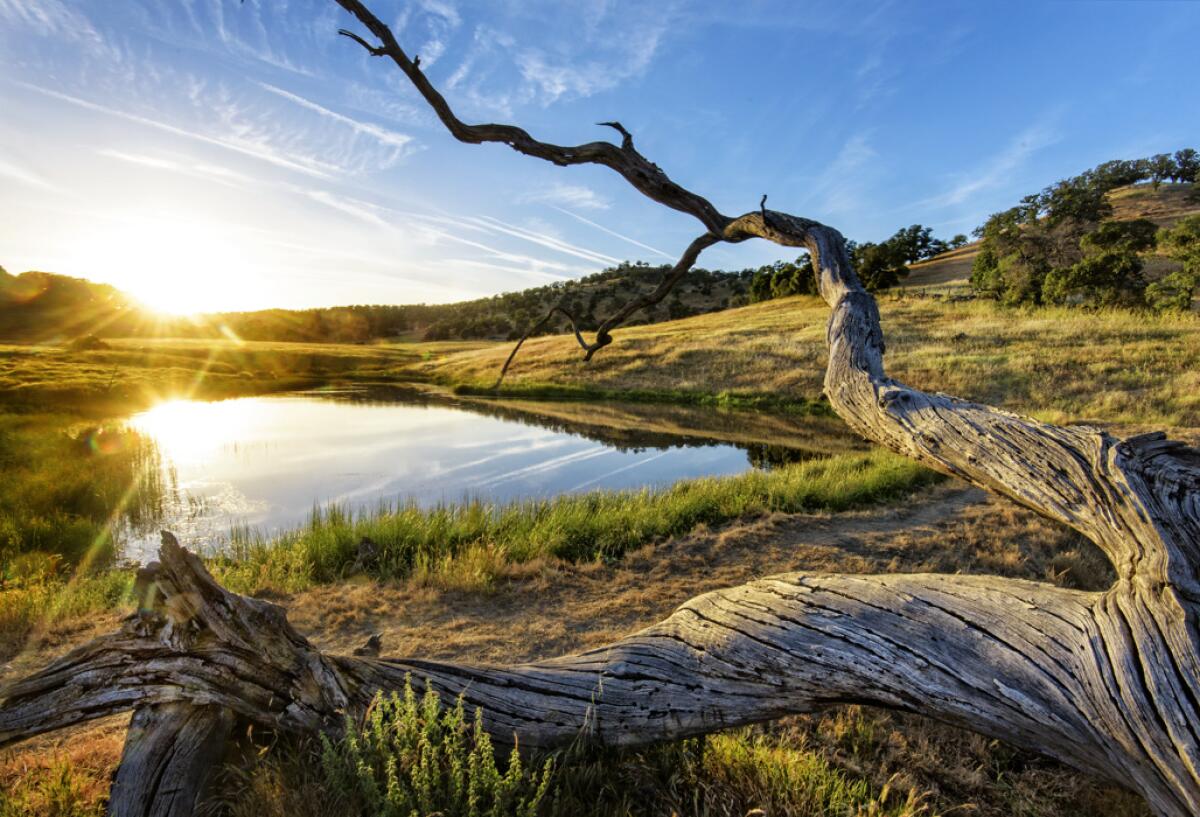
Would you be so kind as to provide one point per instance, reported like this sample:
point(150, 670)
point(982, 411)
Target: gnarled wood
point(1104, 681)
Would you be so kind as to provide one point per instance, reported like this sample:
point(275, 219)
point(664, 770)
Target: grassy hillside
point(43, 306)
point(1164, 206)
point(1060, 364)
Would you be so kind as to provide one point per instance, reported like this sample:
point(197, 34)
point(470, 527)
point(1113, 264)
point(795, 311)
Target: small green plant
point(413, 756)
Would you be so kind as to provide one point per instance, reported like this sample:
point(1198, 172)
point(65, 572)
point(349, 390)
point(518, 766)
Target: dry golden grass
point(1164, 206)
point(63, 776)
point(1062, 365)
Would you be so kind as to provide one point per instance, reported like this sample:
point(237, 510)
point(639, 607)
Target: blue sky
point(211, 154)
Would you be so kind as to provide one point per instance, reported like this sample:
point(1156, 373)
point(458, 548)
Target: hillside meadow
point(1060, 365)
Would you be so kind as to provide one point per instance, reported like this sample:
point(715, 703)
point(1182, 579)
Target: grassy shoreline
point(470, 545)
point(735, 400)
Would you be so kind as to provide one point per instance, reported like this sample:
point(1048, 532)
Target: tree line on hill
point(879, 265)
point(507, 315)
point(1061, 245)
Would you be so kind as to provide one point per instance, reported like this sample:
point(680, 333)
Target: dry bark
point(1106, 682)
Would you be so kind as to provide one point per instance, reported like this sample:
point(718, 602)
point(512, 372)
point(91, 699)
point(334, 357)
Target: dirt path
point(546, 609)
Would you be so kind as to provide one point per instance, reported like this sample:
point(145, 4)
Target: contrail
point(604, 229)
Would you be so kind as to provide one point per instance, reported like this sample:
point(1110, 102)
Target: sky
point(212, 155)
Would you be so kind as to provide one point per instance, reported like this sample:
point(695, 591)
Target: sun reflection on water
point(190, 432)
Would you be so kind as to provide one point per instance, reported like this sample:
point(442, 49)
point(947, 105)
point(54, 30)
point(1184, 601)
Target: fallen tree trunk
point(1106, 682)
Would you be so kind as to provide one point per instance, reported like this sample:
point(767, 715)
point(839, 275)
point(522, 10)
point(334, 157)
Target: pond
point(264, 463)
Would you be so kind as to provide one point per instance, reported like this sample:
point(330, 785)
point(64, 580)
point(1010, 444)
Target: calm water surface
point(265, 462)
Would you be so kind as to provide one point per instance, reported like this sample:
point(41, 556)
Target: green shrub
point(413, 757)
point(1109, 279)
point(1176, 290)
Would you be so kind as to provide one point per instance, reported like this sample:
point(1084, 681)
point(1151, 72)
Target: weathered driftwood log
point(1106, 682)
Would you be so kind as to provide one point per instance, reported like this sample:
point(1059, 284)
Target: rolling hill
point(1164, 206)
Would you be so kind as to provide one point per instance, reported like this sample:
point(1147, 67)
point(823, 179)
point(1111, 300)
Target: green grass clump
point(415, 757)
point(466, 543)
point(41, 604)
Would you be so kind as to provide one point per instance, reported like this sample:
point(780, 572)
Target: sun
point(177, 265)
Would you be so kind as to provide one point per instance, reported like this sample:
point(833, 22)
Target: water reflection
point(265, 462)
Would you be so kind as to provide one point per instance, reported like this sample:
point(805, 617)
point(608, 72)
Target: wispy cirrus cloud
point(351, 207)
point(476, 232)
point(439, 21)
point(400, 141)
point(238, 143)
point(600, 46)
point(839, 187)
point(264, 117)
point(248, 36)
point(26, 177)
point(553, 78)
point(613, 233)
point(998, 169)
point(54, 18)
point(550, 242)
point(185, 167)
point(568, 195)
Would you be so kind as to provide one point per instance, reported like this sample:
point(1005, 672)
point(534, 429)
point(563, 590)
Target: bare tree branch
point(603, 333)
point(644, 175)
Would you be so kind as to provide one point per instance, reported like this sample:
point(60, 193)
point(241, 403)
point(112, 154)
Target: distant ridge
point(44, 307)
